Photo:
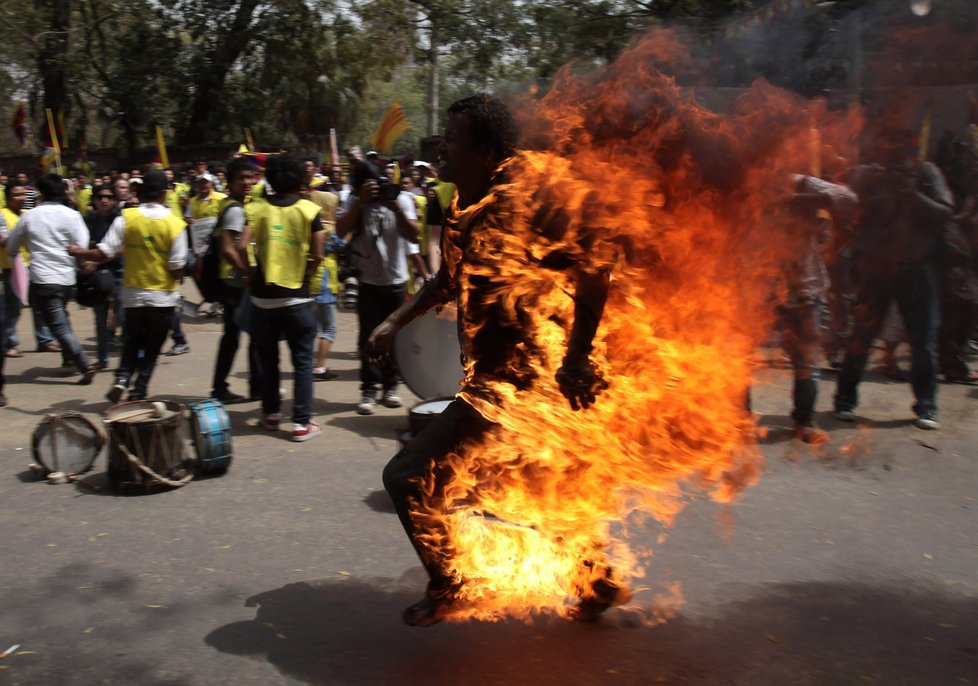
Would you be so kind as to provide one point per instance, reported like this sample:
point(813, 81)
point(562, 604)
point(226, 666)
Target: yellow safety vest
point(148, 243)
point(206, 208)
point(282, 238)
point(173, 201)
point(225, 269)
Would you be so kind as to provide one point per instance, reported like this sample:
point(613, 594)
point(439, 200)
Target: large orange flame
point(678, 203)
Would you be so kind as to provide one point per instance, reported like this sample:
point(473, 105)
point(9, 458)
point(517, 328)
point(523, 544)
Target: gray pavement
point(852, 564)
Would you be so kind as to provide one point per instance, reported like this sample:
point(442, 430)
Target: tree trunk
point(432, 107)
point(210, 77)
point(52, 55)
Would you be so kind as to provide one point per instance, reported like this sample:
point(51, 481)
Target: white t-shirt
point(48, 230)
point(381, 251)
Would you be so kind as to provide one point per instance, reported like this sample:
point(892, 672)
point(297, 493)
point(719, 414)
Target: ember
point(539, 511)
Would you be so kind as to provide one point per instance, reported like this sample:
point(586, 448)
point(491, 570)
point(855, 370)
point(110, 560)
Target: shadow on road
point(349, 632)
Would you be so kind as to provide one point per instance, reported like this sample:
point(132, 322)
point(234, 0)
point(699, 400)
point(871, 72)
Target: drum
point(66, 442)
point(146, 452)
point(428, 352)
point(211, 428)
point(422, 414)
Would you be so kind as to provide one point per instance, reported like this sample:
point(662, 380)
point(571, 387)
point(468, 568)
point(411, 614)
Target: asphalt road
point(851, 564)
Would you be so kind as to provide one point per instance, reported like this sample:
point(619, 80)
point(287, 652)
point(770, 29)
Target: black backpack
point(207, 273)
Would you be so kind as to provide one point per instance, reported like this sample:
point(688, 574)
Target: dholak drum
point(211, 428)
point(66, 442)
point(420, 416)
point(427, 352)
point(146, 452)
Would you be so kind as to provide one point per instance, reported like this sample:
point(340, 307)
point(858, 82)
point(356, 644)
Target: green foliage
point(292, 69)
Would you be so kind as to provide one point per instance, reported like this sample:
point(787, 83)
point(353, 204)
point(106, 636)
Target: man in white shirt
point(383, 232)
point(48, 230)
point(155, 242)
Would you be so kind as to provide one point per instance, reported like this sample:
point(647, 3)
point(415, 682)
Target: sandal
point(969, 379)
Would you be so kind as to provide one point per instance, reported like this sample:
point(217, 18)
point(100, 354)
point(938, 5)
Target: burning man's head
point(480, 133)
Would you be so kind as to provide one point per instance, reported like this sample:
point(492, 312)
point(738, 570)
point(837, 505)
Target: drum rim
point(100, 439)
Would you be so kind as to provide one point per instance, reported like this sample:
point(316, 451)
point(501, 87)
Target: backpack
point(207, 273)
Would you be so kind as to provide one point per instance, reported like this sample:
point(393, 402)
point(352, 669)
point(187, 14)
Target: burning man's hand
point(580, 382)
point(381, 341)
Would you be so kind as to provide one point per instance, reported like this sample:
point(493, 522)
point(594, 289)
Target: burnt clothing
point(511, 266)
point(800, 327)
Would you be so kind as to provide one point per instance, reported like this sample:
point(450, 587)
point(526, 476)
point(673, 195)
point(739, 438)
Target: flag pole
point(54, 138)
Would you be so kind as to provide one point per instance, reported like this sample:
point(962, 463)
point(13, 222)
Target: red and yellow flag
point(391, 127)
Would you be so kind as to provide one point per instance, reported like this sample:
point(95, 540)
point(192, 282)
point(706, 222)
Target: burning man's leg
point(799, 336)
point(420, 459)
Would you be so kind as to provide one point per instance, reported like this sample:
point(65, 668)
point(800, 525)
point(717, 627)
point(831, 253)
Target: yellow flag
point(161, 147)
point(391, 127)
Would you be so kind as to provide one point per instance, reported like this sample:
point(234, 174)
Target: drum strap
point(138, 464)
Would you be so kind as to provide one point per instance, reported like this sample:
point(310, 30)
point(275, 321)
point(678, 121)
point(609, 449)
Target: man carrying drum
point(155, 244)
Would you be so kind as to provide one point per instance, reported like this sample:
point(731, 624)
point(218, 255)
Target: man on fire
point(516, 292)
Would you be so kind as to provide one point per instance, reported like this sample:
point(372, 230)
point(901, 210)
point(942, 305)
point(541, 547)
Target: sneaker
point(808, 432)
point(115, 393)
point(927, 421)
point(325, 375)
point(368, 405)
point(179, 349)
point(270, 421)
point(303, 432)
point(844, 415)
point(391, 399)
point(228, 397)
point(282, 392)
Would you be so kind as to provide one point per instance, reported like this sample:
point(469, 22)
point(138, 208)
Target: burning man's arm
point(382, 338)
point(578, 378)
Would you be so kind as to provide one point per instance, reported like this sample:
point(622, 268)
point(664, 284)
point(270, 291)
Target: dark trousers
point(146, 329)
point(800, 326)
point(915, 290)
point(299, 325)
point(374, 304)
point(4, 286)
point(49, 302)
point(102, 334)
point(228, 347)
point(958, 318)
point(419, 468)
point(178, 336)
point(11, 303)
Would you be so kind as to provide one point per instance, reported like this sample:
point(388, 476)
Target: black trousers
point(228, 348)
point(915, 290)
point(799, 327)
point(420, 459)
point(374, 304)
point(146, 331)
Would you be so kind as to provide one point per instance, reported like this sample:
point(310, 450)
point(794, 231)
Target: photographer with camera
point(381, 224)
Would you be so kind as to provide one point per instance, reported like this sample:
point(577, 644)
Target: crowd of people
point(892, 243)
point(265, 240)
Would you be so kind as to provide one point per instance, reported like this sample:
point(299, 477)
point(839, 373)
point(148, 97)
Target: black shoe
point(326, 376)
point(605, 593)
point(88, 375)
point(431, 609)
point(808, 432)
point(927, 421)
point(3, 400)
point(115, 393)
point(229, 397)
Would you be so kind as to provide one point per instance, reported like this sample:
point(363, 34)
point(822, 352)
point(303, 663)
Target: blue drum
point(210, 427)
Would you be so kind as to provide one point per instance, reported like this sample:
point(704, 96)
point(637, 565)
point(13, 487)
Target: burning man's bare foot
point(431, 609)
point(607, 594)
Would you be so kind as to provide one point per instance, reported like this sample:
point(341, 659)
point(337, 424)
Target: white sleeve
point(112, 239)
point(178, 252)
point(79, 233)
point(407, 205)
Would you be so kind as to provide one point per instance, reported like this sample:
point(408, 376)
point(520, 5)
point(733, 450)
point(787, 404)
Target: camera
point(387, 191)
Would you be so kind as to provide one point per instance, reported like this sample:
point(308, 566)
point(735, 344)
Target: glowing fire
point(678, 200)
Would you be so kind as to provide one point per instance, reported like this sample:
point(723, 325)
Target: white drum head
point(428, 352)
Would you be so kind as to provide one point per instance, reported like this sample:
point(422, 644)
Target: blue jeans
point(102, 334)
point(299, 325)
point(48, 301)
point(915, 289)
